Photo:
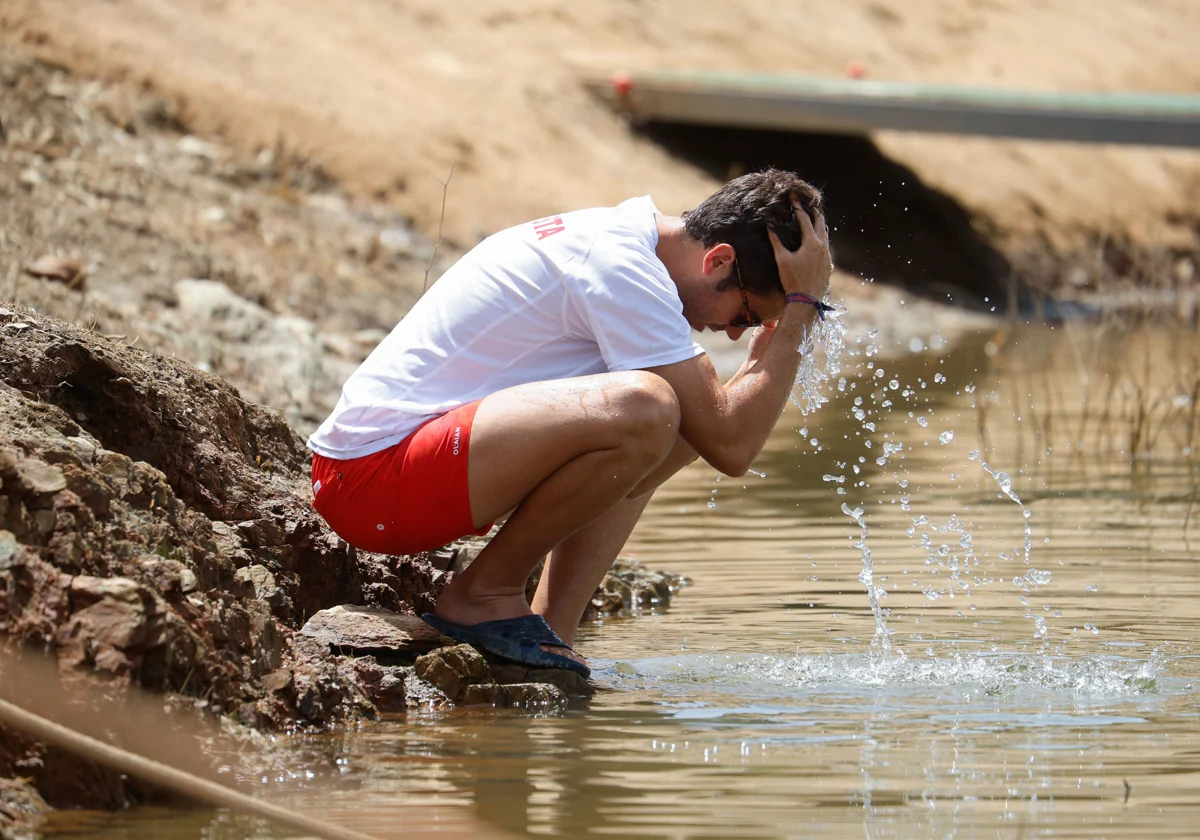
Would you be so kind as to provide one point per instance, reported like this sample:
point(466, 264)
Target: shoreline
point(162, 288)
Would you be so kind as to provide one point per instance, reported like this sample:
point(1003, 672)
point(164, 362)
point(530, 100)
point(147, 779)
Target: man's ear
point(718, 259)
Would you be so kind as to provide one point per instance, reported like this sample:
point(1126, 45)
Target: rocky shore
point(156, 529)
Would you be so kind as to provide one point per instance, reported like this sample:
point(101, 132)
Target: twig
point(168, 777)
point(445, 187)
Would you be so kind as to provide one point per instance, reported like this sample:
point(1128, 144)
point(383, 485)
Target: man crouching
point(551, 372)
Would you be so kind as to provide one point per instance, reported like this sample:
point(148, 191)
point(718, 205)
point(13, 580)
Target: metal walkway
point(846, 106)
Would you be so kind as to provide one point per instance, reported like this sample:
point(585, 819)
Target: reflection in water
point(1025, 500)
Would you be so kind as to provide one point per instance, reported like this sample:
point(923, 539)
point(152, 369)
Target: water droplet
point(946, 436)
point(922, 422)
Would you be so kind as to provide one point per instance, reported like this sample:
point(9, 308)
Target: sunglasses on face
point(747, 319)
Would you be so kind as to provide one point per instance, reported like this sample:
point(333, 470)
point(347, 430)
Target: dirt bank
point(155, 522)
point(390, 96)
point(156, 530)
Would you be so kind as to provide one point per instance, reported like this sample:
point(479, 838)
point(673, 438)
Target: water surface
point(1028, 675)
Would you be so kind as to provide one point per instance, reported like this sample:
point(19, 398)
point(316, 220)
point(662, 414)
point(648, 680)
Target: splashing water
point(1005, 482)
point(1033, 578)
point(956, 562)
point(1086, 679)
point(830, 335)
point(880, 642)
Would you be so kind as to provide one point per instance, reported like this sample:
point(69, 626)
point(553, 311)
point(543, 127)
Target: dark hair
point(740, 213)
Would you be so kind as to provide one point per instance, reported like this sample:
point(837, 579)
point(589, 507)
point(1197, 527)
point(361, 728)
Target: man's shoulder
point(624, 242)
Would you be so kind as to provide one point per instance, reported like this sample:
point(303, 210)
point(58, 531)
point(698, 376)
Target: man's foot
point(494, 608)
point(521, 638)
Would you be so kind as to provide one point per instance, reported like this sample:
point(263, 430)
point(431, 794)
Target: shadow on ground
point(890, 227)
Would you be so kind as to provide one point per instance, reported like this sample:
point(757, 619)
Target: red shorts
point(410, 497)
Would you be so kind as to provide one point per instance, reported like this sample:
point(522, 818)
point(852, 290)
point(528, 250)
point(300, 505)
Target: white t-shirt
point(564, 296)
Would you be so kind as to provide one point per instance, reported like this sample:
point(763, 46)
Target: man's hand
point(808, 268)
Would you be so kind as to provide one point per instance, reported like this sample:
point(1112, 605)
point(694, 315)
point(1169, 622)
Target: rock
point(258, 533)
point(364, 630)
point(402, 240)
point(256, 582)
point(39, 478)
point(214, 301)
point(452, 669)
point(514, 696)
point(484, 695)
point(10, 549)
point(279, 682)
point(188, 582)
point(57, 268)
point(82, 446)
point(534, 696)
point(423, 695)
point(569, 682)
point(193, 146)
point(114, 624)
point(86, 590)
point(21, 809)
point(29, 478)
point(629, 586)
point(384, 685)
point(327, 688)
point(460, 554)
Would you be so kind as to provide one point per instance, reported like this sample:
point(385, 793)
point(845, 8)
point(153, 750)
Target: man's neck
point(676, 249)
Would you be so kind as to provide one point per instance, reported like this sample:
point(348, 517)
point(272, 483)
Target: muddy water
point(1016, 683)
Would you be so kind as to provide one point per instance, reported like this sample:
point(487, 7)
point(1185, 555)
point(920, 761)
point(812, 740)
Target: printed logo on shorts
point(316, 488)
point(457, 438)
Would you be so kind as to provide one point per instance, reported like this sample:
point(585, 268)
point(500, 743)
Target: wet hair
point(740, 213)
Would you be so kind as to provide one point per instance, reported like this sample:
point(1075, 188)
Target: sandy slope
point(392, 93)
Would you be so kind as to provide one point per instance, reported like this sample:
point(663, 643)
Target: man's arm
point(728, 424)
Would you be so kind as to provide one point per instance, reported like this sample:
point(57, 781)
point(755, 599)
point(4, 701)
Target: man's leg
point(562, 454)
point(578, 564)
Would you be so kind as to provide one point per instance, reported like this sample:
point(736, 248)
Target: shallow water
point(1048, 693)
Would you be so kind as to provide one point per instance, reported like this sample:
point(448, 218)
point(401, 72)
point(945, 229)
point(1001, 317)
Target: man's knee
point(650, 407)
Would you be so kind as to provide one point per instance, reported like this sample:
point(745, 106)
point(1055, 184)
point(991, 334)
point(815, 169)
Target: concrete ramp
point(850, 106)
